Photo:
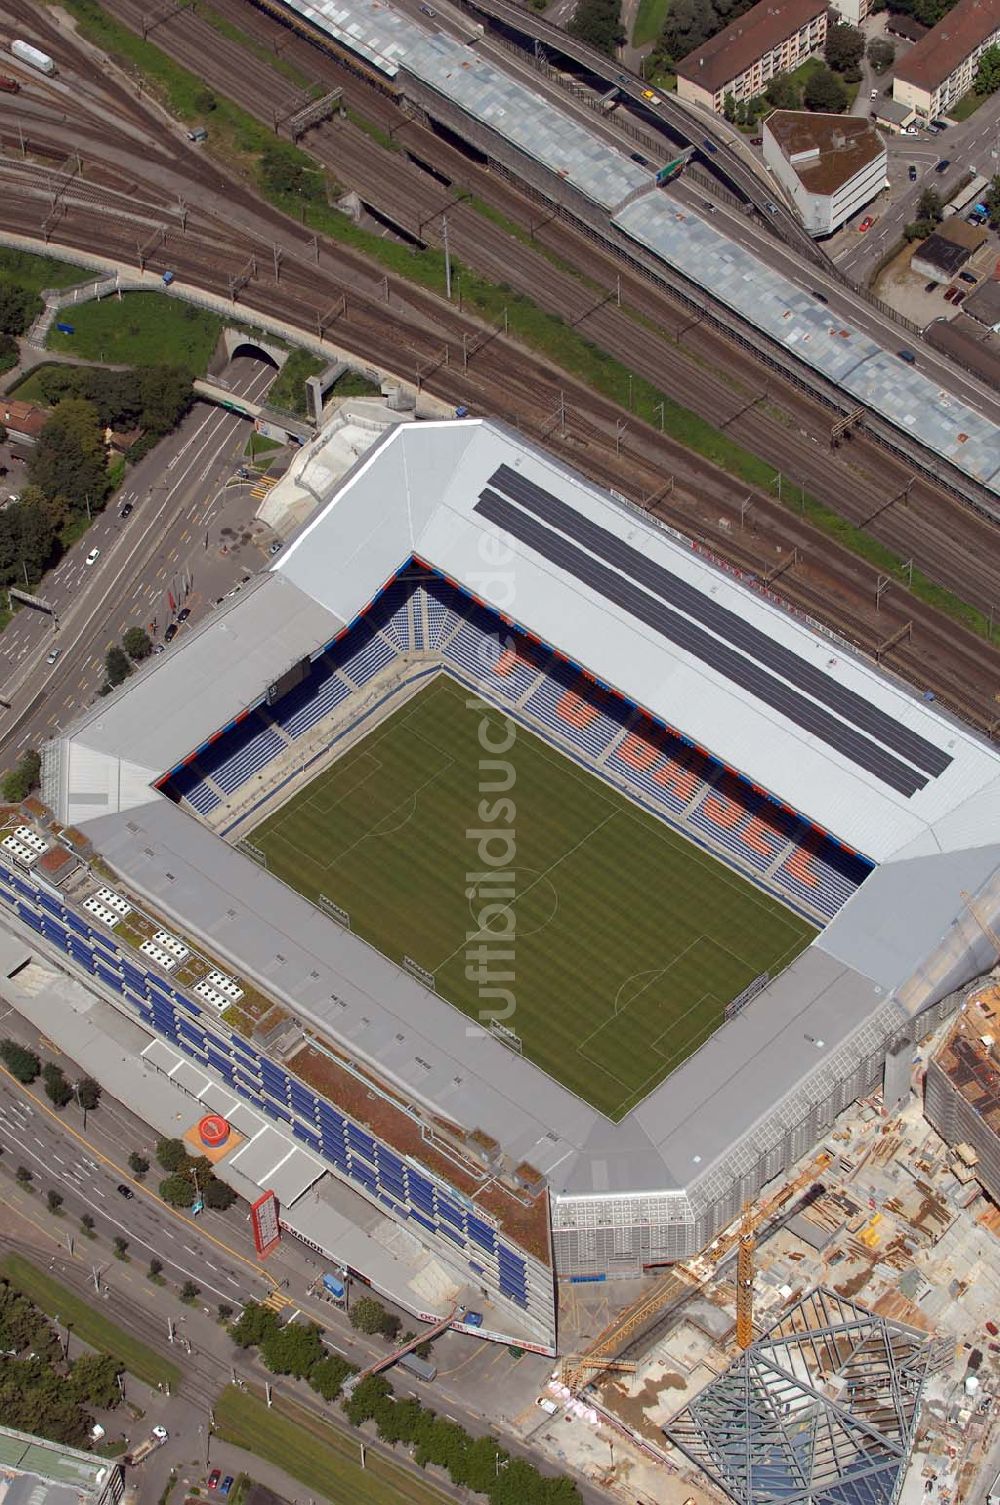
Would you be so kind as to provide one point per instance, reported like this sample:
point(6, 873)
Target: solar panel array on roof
point(741, 653)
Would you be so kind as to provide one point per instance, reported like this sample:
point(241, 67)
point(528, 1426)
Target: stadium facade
point(763, 738)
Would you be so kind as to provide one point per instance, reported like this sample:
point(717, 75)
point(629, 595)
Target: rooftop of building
point(983, 302)
point(34, 1471)
point(24, 417)
point(825, 151)
point(739, 45)
point(941, 254)
point(970, 1056)
point(946, 46)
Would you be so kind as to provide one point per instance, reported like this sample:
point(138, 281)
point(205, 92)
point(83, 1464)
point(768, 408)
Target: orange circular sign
point(213, 1131)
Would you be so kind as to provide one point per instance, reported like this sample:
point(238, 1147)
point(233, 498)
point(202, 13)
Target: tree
point(929, 206)
point(783, 93)
point(93, 1381)
point(599, 24)
point(176, 1190)
point(881, 54)
point(155, 1268)
point(24, 777)
point(988, 72)
point(370, 1316)
point(991, 198)
point(328, 1375)
point(172, 1154)
point(57, 1089)
point(68, 460)
point(845, 47)
point(19, 307)
point(138, 1164)
point(217, 1195)
point(54, 1199)
point(137, 643)
point(729, 108)
point(224, 1310)
point(255, 1325)
point(189, 1291)
point(22, 1063)
point(87, 1224)
point(825, 91)
point(88, 1093)
point(294, 1349)
point(23, 1176)
point(116, 666)
point(362, 1403)
point(120, 1247)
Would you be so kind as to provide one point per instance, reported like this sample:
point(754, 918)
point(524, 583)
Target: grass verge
point(141, 329)
point(38, 272)
point(89, 1325)
point(968, 105)
point(288, 392)
point(324, 1457)
point(649, 21)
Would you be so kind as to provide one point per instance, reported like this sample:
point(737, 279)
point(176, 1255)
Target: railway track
point(416, 332)
point(700, 369)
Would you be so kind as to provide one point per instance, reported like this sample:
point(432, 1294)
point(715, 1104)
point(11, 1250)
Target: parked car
point(171, 632)
point(930, 287)
point(943, 165)
point(968, 277)
point(93, 556)
point(907, 356)
point(125, 1191)
point(756, 141)
point(866, 224)
point(959, 295)
point(226, 1485)
point(911, 173)
point(949, 296)
point(51, 657)
point(214, 1477)
point(938, 125)
point(184, 613)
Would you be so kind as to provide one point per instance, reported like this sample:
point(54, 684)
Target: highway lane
point(173, 493)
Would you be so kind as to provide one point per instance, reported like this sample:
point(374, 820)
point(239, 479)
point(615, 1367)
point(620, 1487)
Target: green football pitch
point(624, 941)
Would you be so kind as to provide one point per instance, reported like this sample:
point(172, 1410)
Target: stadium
point(556, 886)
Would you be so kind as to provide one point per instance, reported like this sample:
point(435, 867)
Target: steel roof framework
point(821, 1409)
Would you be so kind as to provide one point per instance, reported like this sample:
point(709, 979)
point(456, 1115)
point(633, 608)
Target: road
point(972, 146)
point(174, 494)
point(86, 1160)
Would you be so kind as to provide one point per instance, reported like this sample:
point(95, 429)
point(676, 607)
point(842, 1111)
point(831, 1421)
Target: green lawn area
point(630, 940)
point(288, 391)
point(141, 329)
point(325, 1458)
point(29, 388)
point(968, 105)
point(649, 21)
point(37, 272)
point(89, 1323)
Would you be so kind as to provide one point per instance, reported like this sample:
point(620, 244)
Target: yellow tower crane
point(579, 1369)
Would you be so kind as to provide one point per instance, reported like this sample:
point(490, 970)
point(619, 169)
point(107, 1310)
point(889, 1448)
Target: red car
point(214, 1477)
point(865, 224)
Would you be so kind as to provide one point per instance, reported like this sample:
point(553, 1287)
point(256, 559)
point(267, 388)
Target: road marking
point(58, 1158)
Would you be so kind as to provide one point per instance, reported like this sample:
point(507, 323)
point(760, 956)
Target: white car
point(93, 556)
point(51, 658)
point(161, 1433)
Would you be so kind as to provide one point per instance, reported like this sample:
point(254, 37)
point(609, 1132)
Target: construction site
point(840, 1342)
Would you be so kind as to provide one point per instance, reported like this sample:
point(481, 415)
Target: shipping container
point(31, 55)
point(419, 1367)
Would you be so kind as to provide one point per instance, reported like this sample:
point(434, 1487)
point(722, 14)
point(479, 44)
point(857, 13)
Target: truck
point(25, 53)
point(9, 85)
point(418, 1367)
point(156, 1439)
point(334, 1286)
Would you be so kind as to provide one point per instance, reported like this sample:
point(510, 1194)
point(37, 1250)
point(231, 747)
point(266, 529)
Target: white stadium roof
point(770, 694)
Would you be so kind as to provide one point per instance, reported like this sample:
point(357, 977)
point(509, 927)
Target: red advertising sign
point(264, 1221)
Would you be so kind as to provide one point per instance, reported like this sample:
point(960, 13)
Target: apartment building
point(935, 74)
point(772, 38)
